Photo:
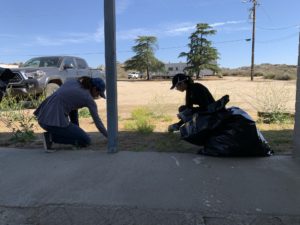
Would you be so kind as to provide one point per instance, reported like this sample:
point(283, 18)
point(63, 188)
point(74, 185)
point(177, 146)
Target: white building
point(173, 68)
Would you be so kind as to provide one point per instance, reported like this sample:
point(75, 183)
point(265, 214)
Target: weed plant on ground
point(18, 119)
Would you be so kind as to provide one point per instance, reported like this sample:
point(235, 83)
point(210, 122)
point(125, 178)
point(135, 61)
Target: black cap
point(178, 78)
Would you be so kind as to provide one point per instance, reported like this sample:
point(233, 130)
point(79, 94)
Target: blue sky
point(34, 28)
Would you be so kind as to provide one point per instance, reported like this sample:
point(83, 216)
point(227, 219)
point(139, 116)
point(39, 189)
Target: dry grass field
point(255, 96)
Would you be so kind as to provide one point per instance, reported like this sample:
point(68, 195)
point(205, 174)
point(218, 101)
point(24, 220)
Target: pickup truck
point(46, 74)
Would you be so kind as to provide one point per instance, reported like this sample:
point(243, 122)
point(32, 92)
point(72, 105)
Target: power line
point(163, 48)
point(280, 39)
point(279, 28)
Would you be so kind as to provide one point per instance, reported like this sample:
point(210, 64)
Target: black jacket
point(198, 94)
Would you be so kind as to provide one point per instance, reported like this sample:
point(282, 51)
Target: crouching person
point(197, 99)
point(58, 115)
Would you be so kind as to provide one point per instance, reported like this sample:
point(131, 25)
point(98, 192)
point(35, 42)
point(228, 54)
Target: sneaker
point(47, 141)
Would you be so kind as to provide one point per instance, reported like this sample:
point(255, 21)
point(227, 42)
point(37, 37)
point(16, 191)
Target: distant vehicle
point(134, 75)
point(46, 74)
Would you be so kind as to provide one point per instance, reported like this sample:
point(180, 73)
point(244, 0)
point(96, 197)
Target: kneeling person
point(54, 112)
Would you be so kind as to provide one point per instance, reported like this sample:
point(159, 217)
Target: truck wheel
point(51, 88)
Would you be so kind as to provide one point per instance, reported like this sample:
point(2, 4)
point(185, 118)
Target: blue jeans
point(71, 134)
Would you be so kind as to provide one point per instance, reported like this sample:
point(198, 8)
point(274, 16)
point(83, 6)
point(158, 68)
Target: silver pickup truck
point(46, 74)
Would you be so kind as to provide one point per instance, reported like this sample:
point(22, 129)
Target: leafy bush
point(84, 113)
point(18, 119)
point(283, 77)
point(272, 103)
point(259, 74)
point(269, 76)
point(141, 121)
point(275, 117)
point(141, 112)
point(280, 76)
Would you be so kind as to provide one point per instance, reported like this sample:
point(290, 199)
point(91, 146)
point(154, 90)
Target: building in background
point(173, 68)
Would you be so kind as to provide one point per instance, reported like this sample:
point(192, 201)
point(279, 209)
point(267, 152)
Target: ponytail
point(85, 82)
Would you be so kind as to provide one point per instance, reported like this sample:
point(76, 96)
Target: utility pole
point(296, 151)
point(253, 17)
point(111, 74)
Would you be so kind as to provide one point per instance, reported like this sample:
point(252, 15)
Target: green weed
point(272, 104)
point(84, 113)
point(141, 121)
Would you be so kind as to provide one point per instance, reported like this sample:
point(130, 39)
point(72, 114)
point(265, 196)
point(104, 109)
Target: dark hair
point(85, 82)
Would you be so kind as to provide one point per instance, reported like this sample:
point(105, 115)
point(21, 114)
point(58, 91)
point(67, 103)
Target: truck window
point(81, 63)
point(69, 63)
point(42, 62)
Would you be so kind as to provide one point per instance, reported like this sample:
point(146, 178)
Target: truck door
point(82, 68)
point(69, 68)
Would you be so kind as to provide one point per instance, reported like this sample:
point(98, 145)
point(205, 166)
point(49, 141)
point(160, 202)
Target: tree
point(144, 60)
point(201, 55)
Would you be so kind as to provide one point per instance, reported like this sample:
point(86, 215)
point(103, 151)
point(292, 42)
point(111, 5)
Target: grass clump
point(84, 113)
point(272, 104)
point(141, 121)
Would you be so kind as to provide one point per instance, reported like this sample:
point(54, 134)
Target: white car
point(134, 75)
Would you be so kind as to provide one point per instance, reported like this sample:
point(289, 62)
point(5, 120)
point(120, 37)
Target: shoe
point(47, 141)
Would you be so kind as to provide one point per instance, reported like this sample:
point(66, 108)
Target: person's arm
point(94, 113)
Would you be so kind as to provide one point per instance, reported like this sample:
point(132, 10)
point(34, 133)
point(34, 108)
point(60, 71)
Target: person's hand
point(173, 127)
point(104, 133)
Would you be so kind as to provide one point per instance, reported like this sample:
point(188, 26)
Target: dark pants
point(71, 134)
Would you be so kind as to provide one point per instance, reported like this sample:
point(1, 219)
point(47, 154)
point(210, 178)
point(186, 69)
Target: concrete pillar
point(111, 74)
point(296, 152)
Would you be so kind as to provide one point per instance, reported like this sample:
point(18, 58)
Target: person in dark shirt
point(197, 99)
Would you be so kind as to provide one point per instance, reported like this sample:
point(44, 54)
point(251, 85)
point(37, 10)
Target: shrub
point(272, 103)
point(282, 77)
point(141, 121)
point(275, 117)
point(143, 125)
point(18, 119)
point(269, 76)
point(259, 74)
point(141, 112)
point(84, 113)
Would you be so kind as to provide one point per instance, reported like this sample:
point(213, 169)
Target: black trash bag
point(238, 136)
point(203, 123)
point(5, 76)
point(225, 132)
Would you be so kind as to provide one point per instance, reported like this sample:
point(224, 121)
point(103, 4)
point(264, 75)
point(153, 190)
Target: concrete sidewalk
point(92, 187)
